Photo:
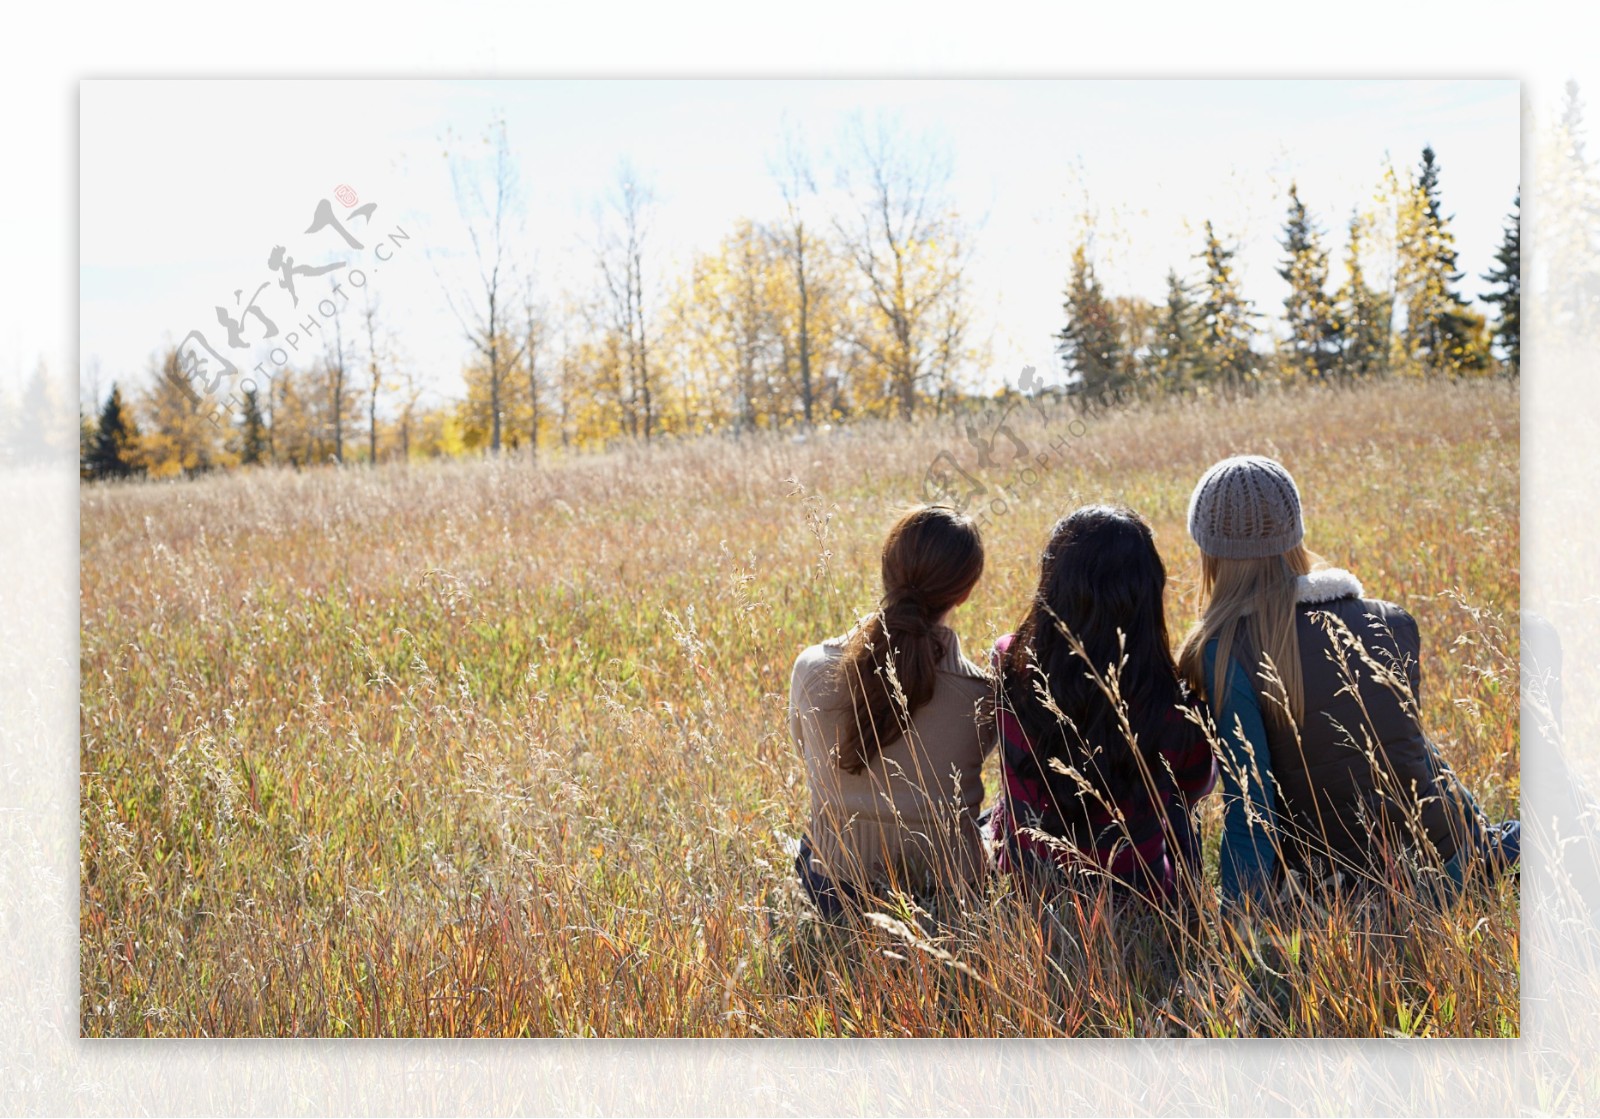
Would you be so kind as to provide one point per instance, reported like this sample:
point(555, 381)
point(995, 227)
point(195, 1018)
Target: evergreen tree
point(252, 430)
point(1090, 344)
point(1364, 314)
point(1441, 332)
point(1226, 330)
point(1172, 360)
point(1313, 343)
point(1507, 276)
point(116, 441)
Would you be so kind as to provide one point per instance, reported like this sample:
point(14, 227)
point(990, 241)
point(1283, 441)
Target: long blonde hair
point(1261, 592)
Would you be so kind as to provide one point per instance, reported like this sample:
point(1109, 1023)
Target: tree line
point(1206, 337)
point(821, 313)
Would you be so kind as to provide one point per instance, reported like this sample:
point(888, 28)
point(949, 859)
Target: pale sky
point(187, 185)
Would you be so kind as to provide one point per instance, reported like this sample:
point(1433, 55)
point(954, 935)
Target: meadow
point(488, 749)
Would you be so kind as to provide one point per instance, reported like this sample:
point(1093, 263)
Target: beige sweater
point(913, 812)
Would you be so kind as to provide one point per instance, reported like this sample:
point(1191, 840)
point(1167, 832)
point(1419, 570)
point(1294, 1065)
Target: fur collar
point(1326, 585)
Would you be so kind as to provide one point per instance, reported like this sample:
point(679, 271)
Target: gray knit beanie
point(1245, 507)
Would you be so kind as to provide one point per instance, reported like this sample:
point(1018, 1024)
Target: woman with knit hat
point(1315, 692)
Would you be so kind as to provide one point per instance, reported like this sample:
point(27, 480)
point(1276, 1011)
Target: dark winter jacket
point(1360, 778)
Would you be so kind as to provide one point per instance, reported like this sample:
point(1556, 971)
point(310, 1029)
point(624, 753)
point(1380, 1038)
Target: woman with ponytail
point(893, 724)
point(1316, 693)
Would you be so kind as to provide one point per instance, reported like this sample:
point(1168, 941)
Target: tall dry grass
point(484, 749)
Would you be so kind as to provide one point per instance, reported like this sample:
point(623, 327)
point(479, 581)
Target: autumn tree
point(86, 436)
point(566, 392)
point(591, 392)
point(565, 367)
point(114, 452)
point(1226, 321)
point(435, 433)
point(624, 228)
point(484, 309)
point(410, 386)
point(801, 251)
point(375, 379)
point(88, 409)
point(1312, 345)
point(1442, 335)
point(1139, 321)
point(1363, 311)
point(488, 402)
point(297, 433)
point(730, 314)
point(599, 413)
point(907, 246)
point(334, 391)
point(535, 326)
point(269, 415)
point(180, 436)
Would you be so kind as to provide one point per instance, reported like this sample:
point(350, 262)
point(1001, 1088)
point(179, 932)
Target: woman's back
point(1108, 781)
point(1136, 831)
point(910, 814)
point(1315, 690)
point(1360, 774)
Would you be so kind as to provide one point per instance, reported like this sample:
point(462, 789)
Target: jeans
point(1500, 847)
point(832, 899)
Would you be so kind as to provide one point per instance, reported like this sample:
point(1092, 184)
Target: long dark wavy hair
point(1101, 575)
point(932, 559)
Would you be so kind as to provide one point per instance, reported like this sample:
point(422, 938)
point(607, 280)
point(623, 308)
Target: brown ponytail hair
point(932, 559)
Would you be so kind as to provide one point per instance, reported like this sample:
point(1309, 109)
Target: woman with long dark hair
point(893, 724)
point(1101, 766)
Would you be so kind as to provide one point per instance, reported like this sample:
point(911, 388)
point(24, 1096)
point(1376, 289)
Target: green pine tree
point(115, 451)
point(1506, 275)
point(1172, 360)
point(1313, 344)
point(1090, 344)
point(252, 431)
point(1226, 329)
point(1364, 314)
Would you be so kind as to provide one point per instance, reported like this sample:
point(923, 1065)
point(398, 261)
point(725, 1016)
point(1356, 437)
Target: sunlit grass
point(483, 749)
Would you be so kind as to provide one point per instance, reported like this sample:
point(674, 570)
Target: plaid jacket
point(1142, 849)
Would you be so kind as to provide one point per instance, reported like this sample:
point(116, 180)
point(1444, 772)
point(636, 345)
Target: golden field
point(479, 748)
